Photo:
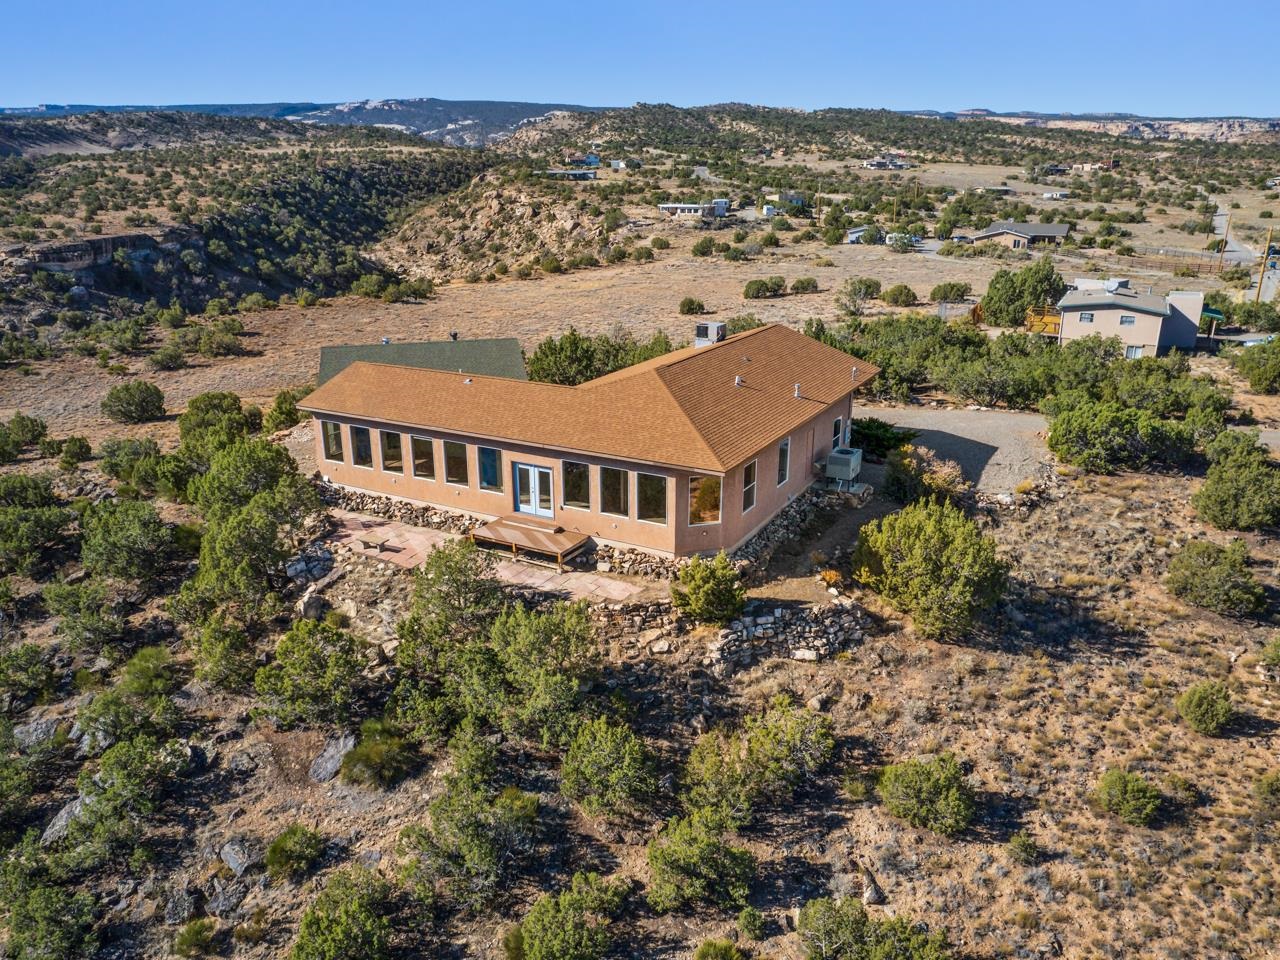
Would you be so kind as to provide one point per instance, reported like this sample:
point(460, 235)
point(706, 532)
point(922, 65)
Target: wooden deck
point(541, 541)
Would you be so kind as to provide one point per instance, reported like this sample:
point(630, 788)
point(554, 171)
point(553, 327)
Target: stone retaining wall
point(809, 632)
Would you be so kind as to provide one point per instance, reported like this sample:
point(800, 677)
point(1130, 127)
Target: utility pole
point(1222, 251)
point(1266, 252)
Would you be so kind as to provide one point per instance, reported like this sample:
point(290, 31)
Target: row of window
point(575, 477)
point(1125, 319)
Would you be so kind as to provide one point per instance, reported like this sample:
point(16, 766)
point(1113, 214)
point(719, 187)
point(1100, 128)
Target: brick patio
point(407, 546)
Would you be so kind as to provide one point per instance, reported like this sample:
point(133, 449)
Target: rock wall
point(809, 632)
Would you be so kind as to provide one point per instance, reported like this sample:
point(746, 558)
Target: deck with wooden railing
point(1044, 320)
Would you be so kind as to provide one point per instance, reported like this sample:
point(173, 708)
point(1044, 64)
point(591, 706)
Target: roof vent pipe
point(385, 341)
point(797, 394)
point(738, 381)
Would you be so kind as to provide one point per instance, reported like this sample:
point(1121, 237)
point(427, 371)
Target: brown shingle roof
point(682, 409)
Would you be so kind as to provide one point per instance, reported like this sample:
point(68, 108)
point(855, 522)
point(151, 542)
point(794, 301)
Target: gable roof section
point(1031, 231)
point(1121, 299)
point(680, 410)
point(501, 357)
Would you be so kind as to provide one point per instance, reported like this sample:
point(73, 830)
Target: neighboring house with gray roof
point(498, 357)
point(1017, 235)
point(1147, 324)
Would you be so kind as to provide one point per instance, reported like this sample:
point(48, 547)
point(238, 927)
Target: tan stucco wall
point(810, 442)
point(1144, 332)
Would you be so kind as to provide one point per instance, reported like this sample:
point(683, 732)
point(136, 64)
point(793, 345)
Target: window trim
point(1128, 320)
point(480, 484)
point(351, 429)
point(324, 442)
point(564, 505)
point(1130, 355)
point(753, 486)
point(626, 492)
point(719, 501)
point(466, 462)
point(382, 451)
point(1086, 316)
point(837, 432)
point(665, 513)
point(413, 461)
point(784, 460)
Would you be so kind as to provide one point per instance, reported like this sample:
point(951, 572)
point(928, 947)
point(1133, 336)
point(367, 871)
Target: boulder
point(180, 907)
point(37, 733)
point(61, 822)
point(240, 854)
point(227, 897)
point(325, 766)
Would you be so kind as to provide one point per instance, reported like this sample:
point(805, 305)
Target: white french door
point(533, 490)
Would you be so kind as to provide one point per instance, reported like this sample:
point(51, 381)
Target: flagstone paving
point(408, 546)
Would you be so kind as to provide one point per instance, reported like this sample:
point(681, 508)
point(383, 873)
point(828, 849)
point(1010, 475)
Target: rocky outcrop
point(389, 509)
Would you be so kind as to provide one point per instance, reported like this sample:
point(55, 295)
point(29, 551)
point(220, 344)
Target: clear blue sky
point(1180, 58)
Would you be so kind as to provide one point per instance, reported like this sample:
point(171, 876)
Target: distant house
point(702, 210)
point(720, 207)
point(500, 357)
point(888, 161)
point(1147, 324)
point(630, 163)
point(792, 197)
point(569, 174)
point(582, 159)
point(1017, 235)
point(1056, 194)
point(855, 234)
point(1089, 167)
point(689, 453)
point(768, 210)
point(994, 191)
point(1054, 170)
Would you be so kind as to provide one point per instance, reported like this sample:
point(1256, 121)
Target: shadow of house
point(972, 456)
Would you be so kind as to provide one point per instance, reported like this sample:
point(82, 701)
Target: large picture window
point(392, 453)
point(614, 491)
point(748, 486)
point(575, 482)
point(424, 458)
point(651, 498)
point(332, 434)
point(455, 462)
point(361, 447)
point(784, 460)
point(490, 468)
point(704, 500)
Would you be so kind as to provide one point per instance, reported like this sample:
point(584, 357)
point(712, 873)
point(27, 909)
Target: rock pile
point(389, 509)
point(754, 555)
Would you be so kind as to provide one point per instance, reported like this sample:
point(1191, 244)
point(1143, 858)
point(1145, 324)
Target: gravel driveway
point(996, 449)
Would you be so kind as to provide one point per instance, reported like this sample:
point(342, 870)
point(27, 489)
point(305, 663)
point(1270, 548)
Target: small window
point(784, 460)
point(361, 447)
point(1132, 353)
point(651, 498)
point(392, 455)
point(490, 468)
point(455, 462)
point(748, 486)
point(614, 485)
point(1086, 318)
point(575, 484)
point(1127, 321)
point(704, 500)
point(332, 433)
point(424, 458)
point(837, 433)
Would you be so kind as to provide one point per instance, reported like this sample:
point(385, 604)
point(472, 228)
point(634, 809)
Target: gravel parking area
point(996, 449)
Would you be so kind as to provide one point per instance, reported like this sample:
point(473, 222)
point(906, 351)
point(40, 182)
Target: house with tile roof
point(690, 452)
